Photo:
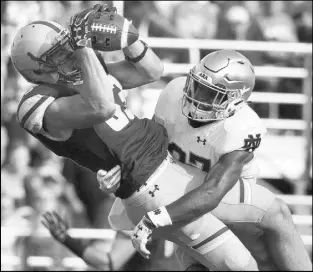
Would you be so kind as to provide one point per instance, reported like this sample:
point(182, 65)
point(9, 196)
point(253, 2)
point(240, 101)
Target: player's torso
point(200, 147)
point(140, 144)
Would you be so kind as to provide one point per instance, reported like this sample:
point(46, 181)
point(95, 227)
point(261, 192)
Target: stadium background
point(180, 32)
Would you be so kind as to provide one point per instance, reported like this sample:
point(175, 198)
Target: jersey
point(138, 145)
point(83, 146)
point(203, 146)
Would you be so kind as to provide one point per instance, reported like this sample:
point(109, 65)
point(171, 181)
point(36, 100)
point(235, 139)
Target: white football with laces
point(112, 33)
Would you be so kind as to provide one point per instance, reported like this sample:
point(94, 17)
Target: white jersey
point(202, 147)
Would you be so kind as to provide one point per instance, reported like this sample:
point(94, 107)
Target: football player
point(78, 111)
point(211, 126)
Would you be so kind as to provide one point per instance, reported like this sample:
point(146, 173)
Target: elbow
point(157, 72)
point(104, 113)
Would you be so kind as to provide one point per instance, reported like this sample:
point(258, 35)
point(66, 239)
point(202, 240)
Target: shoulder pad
point(33, 105)
point(170, 97)
point(243, 131)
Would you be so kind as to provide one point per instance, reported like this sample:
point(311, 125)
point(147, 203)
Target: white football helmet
point(217, 85)
point(42, 52)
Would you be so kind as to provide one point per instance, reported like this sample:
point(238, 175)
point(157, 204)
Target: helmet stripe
point(46, 23)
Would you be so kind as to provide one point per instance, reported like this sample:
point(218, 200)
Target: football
point(112, 32)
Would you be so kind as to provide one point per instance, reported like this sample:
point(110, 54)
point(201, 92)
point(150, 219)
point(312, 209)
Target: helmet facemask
point(203, 101)
point(55, 60)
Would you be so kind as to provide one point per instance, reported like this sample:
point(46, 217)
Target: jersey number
point(122, 114)
point(194, 159)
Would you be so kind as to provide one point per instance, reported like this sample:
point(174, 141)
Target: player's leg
point(253, 239)
point(215, 247)
point(253, 203)
point(284, 242)
point(205, 237)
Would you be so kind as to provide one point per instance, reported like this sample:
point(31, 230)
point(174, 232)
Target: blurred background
point(277, 38)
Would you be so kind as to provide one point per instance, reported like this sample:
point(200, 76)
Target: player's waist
point(151, 180)
point(130, 187)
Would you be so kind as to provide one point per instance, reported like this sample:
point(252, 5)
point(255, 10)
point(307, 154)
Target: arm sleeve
point(31, 112)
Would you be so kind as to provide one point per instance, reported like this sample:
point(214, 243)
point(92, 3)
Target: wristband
point(141, 56)
point(75, 245)
point(160, 217)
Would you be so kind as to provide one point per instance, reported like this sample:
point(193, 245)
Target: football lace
point(105, 28)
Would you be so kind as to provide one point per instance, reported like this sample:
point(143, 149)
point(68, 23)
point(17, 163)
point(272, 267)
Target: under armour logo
point(107, 42)
point(252, 143)
point(156, 188)
point(76, 29)
point(157, 211)
point(199, 140)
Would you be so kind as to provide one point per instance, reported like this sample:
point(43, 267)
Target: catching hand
point(80, 25)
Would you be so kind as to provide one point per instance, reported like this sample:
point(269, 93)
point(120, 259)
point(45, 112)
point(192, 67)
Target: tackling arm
point(221, 178)
point(144, 70)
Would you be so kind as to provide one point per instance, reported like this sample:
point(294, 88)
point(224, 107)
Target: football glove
point(142, 232)
point(80, 25)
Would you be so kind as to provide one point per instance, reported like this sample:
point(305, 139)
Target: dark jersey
point(138, 145)
point(83, 146)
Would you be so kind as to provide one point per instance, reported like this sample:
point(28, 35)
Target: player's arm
point(93, 104)
point(141, 66)
point(218, 181)
point(97, 255)
point(93, 253)
point(221, 178)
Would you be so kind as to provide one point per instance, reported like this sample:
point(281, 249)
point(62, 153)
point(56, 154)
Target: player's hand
point(56, 225)
point(109, 181)
point(79, 25)
point(141, 235)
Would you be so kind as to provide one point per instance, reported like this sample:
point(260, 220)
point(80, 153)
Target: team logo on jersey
point(252, 143)
point(201, 141)
point(157, 211)
point(156, 188)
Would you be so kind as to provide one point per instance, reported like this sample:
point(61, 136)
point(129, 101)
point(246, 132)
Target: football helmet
point(216, 86)
point(42, 51)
